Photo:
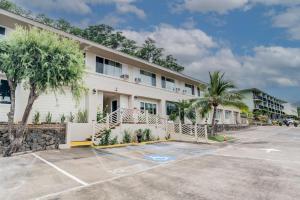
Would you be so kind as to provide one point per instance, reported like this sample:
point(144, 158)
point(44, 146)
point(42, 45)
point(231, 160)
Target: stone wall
point(37, 137)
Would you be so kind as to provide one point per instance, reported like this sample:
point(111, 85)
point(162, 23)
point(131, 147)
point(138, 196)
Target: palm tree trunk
point(213, 120)
point(18, 136)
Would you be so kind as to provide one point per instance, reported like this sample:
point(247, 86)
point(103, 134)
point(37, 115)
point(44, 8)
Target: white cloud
point(289, 19)
point(213, 5)
point(200, 53)
point(129, 8)
point(224, 6)
point(180, 42)
point(81, 6)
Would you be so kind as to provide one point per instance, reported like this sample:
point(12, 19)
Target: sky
point(255, 42)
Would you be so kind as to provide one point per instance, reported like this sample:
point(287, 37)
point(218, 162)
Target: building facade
point(258, 100)
point(114, 80)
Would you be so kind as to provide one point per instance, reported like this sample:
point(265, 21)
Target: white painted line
point(121, 176)
point(61, 170)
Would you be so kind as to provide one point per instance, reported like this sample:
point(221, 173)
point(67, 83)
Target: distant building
point(257, 99)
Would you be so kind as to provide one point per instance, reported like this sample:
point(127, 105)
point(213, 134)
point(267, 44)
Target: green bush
point(147, 135)
point(127, 137)
point(114, 141)
point(71, 117)
point(82, 116)
point(280, 123)
point(105, 138)
point(296, 124)
point(36, 118)
point(48, 118)
point(62, 118)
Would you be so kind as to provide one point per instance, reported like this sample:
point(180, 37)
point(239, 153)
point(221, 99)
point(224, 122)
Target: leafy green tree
point(129, 47)
point(149, 51)
point(218, 93)
point(42, 18)
point(63, 25)
point(43, 62)
point(170, 62)
point(9, 6)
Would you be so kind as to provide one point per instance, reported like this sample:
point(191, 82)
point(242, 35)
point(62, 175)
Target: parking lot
point(264, 163)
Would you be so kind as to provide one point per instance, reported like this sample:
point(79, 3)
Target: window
point(168, 83)
point(4, 92)
point(148, 78)
point(2, 31)
point(108, 67)
point(171, 107)
point(189, 89)
point(150, 107)
point(219, 114)
point(228, 114)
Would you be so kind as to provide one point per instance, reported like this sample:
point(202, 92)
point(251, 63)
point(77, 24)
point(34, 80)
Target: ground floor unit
point(262, 164)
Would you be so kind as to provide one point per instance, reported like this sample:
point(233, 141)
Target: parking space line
point(122, 176)
point(61, 170)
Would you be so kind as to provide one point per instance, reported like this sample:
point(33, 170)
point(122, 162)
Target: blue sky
point(255, 42)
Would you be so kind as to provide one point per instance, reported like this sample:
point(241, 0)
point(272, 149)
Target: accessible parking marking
point(61, 170)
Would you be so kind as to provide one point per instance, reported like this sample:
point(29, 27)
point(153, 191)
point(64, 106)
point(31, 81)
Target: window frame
point(164, 81)
point(5, 31)
point(153, 77)
point(186, 86)
point(108, 62)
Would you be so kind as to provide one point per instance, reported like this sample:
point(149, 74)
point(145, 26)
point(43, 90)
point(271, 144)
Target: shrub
point(127, 137)
point(296, 124)
point(105, 138)
point(82, 116)
point(114, 140)
point(71, 117)
point(48, 118)
point(147, 135)
point(173, 116)
point(280, 123)
point(62, 118)
point(140, 135)
point(168, 137)
point(36, 118)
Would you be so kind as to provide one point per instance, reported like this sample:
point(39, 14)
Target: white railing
point(126, 116)
point(198, 131)
point(135, 116)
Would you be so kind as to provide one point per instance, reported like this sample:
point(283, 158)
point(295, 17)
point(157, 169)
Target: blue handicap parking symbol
point(159, 158)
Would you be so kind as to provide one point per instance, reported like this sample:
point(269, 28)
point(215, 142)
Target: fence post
point(121, 117)
point(94, 132)
point(147, 116)
point(195, 131)
point(205, 132)
point(180, 128)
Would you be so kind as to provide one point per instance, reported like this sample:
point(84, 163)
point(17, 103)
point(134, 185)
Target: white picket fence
point(198, 131)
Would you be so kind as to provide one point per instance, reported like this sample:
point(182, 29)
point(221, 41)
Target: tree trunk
point(11, 116)
point(18, 136)
point(213, 120)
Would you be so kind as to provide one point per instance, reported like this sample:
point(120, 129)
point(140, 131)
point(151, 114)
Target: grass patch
point(220, 138)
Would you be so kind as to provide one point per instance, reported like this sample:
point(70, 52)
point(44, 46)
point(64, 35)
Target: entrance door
point(114, 107)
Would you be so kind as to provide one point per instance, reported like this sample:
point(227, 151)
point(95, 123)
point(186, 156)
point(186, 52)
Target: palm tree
point(183, 110)
point(218, 93)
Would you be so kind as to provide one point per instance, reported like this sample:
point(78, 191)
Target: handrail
point(126, 115)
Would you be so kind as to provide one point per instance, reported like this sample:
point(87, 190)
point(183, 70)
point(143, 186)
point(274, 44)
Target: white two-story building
point(114, 80)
